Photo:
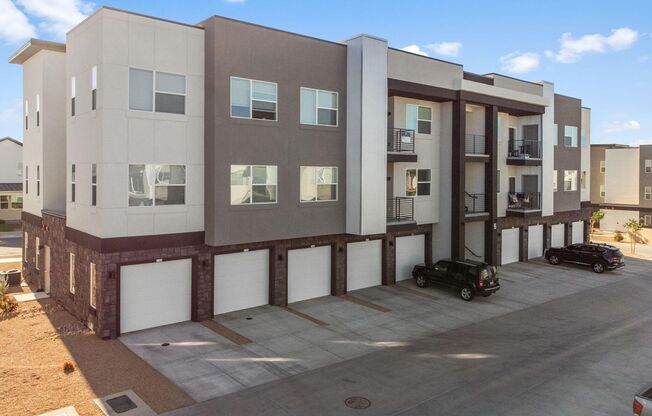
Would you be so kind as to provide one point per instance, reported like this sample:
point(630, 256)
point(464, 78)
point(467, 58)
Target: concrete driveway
point(275, 343)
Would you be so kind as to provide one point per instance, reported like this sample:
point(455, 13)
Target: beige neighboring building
point(11, 179)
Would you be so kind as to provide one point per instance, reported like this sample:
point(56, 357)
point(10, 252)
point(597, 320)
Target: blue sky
point(600, 51)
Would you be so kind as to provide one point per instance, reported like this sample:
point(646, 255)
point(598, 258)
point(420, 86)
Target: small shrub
point(619, 236)
point(8, 304)
point(4, 285)
point(68, 366)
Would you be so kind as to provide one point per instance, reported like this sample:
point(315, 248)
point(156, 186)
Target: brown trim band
point(136, 243)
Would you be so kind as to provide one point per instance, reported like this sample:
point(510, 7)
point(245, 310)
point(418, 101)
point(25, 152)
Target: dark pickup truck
point(468, 277)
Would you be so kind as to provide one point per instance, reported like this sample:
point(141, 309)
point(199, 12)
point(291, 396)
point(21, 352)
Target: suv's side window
point(442, 266)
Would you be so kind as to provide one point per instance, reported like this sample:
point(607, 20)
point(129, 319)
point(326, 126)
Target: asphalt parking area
point(277, 342)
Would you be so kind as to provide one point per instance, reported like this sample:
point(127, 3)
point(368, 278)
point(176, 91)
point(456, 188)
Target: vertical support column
point(458, 178)
point(338, 268)
point(428, 247)
point(389, 260)
point(547, 236)
point(278, 275)
point(587, 232)
point(523, 249)
point(491, 185)
point(568, 233)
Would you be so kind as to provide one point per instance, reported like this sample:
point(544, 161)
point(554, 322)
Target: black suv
point(600, 257)
point(468, 277)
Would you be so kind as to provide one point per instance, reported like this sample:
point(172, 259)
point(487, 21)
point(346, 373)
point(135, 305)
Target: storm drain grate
point(357, 403)
point(121, 404)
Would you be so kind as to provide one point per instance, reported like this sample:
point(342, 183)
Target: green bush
point(619, 236)
point(4, 285)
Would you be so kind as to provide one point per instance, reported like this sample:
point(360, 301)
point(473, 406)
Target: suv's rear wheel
point(553, 259)
point(598, 267)
point(467, 293)
point(421, 281)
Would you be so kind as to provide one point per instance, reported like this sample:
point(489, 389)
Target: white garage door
point(241, 281)
point(557, 235)
point(309, 273)
point(409, 251)
point(510, 245)
point(577, 232)
point(534, 241)
point(363, 264)
point(155, 294)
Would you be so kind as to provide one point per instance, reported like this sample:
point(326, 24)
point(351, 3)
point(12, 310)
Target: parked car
point(468, 277)
point(642, 405)
point(600, 257)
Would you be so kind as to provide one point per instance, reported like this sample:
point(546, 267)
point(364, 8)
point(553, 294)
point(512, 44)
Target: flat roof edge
point(32, 46)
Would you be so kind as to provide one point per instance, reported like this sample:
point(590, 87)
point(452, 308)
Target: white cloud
point(617, 126)
point(446, 48)
point(571, 49)
point(415, 49)
point(14, 26)
point(519, 63)
point(57, 16)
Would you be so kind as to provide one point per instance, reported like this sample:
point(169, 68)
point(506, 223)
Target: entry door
point(512, 185)
point(46, 269)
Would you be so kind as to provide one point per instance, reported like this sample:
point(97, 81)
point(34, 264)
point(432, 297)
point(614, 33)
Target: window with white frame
point(570, 180)
point(570, 136)
point(17, 202)
point(253, 184)
point(417, 182)
point(554, 181)
point(648, 193)
point(602, 191)
point(418, 118)
point(71, 272)
point(648, 166)
point(93, 184)
point(603, 167)
point(26, 180)
point(38, 180)
point(498, 180)
point(253, 99)
point(160, 92)
point(318, 183)
point(647, 220)
point(73, 92)
point(4, 201)
point(154, 185)
point(92, 285)
point(38, 110)
point(37, 249)
point(94, 88)
point(73, 187)
point(318, 107)
point(26, 115)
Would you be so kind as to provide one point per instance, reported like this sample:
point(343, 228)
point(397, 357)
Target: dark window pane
point(94, 195)
point(263, 193)
point(328, 117)
point(93, 99)
point(423, 189)
point(72, 106)
point(424, 175)
point(170, 195)
point(424, 127)
point(72, 193)
point(263, 110)
point(169, 103)
point(4, 202)
point(326, 192)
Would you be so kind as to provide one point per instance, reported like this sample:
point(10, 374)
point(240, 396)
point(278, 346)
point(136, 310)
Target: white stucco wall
point(622, 188)
point(474, 240)
point(407, 66)
point(615, 218)
point(11, 159)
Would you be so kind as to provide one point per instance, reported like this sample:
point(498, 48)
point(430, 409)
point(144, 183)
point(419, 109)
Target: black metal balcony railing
point(475, 144)
point(474, 203)
point(524, 149)
point(400, 209)
point(524, 201)
point(400, 140)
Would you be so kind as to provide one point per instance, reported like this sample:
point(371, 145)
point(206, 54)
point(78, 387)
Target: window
point(318, 107)
point(72, 183)
point(71, 273)
point(16, 202)
point(26, 115)
point(26, 243)
point(26, 180)
point(318, 183)
point(647, 220)
point(648, 193)
point(153, 185)
point(417, 182)
point(94, 184)
point(583, 137)
point(498, 181)
point(38, 110)
point(555, 135)
point(253, 99)
point(73, 91)
point(602, 166)
point(160, 92)
point(252, 184)
point(602, 191)
point(92, 285)
point(94, 88)
point(4, 201)
point(570, 136)
point(37, 248)
point(554, 181)
point(570, 180)
point(418, 118)
point(648, 166)
point(583, 179)
point(38, 180)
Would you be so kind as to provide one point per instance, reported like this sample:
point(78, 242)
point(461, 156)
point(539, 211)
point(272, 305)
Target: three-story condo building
point(193, 170)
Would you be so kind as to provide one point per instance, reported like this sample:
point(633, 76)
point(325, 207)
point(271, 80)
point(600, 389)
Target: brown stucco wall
point(568, 112)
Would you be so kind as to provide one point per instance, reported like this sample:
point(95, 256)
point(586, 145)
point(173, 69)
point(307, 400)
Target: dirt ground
point(35, 341)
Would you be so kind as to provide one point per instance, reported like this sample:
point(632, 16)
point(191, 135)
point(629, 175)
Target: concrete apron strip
point(414, 291)
point(304, 316)
point(227, 333)
point(361, 302)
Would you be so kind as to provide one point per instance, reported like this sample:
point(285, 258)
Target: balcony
point(524, 204)
point(526, 152)
point(475, 206)
point(400, 145)
point(400, 210)
point(475, 147)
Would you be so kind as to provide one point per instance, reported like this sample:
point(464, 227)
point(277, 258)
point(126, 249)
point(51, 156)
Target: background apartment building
point(11, 179)
point(622, 184)
point(221, 166)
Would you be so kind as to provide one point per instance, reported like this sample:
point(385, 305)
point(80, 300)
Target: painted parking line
point(362, 302)
point(305, 316)
point(227, 333)
point(414, 292)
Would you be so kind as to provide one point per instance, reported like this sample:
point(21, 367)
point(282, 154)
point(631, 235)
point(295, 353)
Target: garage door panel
point(509, 246)
point(535, 241)
point(557, 235)
point(577, 232)
point(309, 273)
point(155, 294)
point(410, 250)
point(363, 264)
point(241, 281)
